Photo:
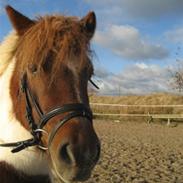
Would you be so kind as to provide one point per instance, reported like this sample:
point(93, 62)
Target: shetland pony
point(46, 130)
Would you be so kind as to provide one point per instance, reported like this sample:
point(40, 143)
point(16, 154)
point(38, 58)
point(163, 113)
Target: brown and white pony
point(45, 118)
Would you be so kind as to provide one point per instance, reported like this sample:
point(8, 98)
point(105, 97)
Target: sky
point(137, 42)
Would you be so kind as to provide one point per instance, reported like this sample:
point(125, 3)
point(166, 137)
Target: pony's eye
point(32, 68)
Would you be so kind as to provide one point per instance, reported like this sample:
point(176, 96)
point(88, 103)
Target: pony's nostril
point(66, 154)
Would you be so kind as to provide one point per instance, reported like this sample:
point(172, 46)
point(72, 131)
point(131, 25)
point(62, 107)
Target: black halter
point(72, 110)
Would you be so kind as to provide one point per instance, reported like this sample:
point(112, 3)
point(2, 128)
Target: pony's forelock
point(54, 39)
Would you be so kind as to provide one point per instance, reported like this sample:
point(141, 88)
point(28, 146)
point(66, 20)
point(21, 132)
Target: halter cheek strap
point(72, 110)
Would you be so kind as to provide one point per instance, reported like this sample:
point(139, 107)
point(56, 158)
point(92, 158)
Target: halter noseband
point(72, 110)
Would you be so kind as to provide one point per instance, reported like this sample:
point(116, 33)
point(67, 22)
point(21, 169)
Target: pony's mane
point(52, 41)
point(7, 50)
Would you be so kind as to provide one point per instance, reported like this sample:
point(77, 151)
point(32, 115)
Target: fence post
point(168, 122)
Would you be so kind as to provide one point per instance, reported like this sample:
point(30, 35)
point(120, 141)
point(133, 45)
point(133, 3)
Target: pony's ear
point(20, 22)
point(89, 23)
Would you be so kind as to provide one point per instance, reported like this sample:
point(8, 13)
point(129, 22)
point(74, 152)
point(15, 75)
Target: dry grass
point(157, 98)
point(153, 99)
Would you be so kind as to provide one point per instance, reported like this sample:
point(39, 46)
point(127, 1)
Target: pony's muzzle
point(70, 155)
point(80, 159)
point(77, 153)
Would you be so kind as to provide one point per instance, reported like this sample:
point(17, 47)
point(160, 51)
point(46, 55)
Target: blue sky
point(136, 41)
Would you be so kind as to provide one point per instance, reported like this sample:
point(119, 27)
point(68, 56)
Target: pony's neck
point(9, 174)
point(7, 50)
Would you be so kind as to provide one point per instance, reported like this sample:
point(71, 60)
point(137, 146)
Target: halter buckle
point(38, 130)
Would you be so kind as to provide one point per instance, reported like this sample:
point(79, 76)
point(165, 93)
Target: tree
point(177, 78)
point(177, 72)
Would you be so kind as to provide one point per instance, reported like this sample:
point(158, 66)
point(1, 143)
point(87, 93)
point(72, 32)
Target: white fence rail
point(127, 105)
point(150, 116)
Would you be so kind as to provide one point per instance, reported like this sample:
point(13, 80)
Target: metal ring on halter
point(44, 132)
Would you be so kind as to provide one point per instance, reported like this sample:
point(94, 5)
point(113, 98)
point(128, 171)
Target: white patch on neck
point(30, 161)
point(7, 49)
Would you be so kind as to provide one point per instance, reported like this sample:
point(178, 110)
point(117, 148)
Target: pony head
point(53, 60)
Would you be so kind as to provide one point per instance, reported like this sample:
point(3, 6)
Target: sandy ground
point(134, 152)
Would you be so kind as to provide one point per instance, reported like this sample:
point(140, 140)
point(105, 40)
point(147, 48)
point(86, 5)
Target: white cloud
point(127, 42)
point(143, 9)
point(175, 35)
point(142, 65)
point(101, 72)
point(138, 78)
